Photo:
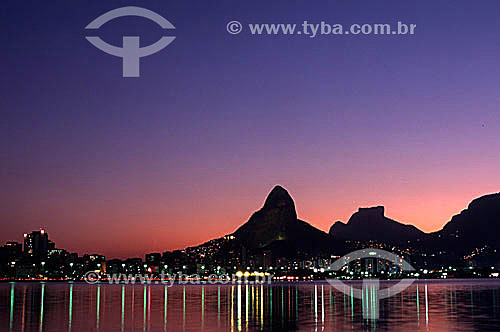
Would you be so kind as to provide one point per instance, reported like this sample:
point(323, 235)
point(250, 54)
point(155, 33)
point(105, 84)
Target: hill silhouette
point(276, 225)
point(371, 224)
point(470, 237)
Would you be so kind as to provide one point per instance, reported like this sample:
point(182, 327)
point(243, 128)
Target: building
point(37, 243)
point(154, 261)
point(10, 252)
point(153, 258)
point(14, 249)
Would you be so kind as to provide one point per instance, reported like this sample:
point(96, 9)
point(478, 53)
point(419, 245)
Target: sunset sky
point(185, 153)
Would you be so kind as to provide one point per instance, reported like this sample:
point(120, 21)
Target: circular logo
point(371, 291)
point(234, 27)
point(91, 277)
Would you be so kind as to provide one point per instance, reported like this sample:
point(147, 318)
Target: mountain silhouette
point(475, 227)
point(275, 232)
point(480, 221)
point(371, 224)
point(276, 224)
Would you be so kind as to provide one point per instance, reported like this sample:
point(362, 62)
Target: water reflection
point(70, 314)
point(165, 305)
point(98, 307)
point(447, 306)
point(11, 317)
point(42, 300)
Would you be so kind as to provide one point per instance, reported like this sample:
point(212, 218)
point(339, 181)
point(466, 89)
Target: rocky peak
point(376, 211)
point(487, 202)
point(280, 199)
point(272, 222)
point(371, 224)
point(368, 215)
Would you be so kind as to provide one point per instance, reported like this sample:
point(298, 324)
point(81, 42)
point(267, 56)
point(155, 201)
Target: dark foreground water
point(461, 305)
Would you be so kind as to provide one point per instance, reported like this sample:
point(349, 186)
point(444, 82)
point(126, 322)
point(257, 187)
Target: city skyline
point(273, 239)
point(28, 235)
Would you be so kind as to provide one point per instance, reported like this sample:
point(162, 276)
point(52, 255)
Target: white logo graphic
point(131, 52)
point(371, 292)
point(234, 27)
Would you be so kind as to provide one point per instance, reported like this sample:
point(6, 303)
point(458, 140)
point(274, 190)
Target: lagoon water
point(451, 305)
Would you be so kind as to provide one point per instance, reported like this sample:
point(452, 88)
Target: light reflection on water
point(460, 305)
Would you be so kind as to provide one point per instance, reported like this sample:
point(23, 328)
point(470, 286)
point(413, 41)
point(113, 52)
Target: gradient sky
point(186, 152)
